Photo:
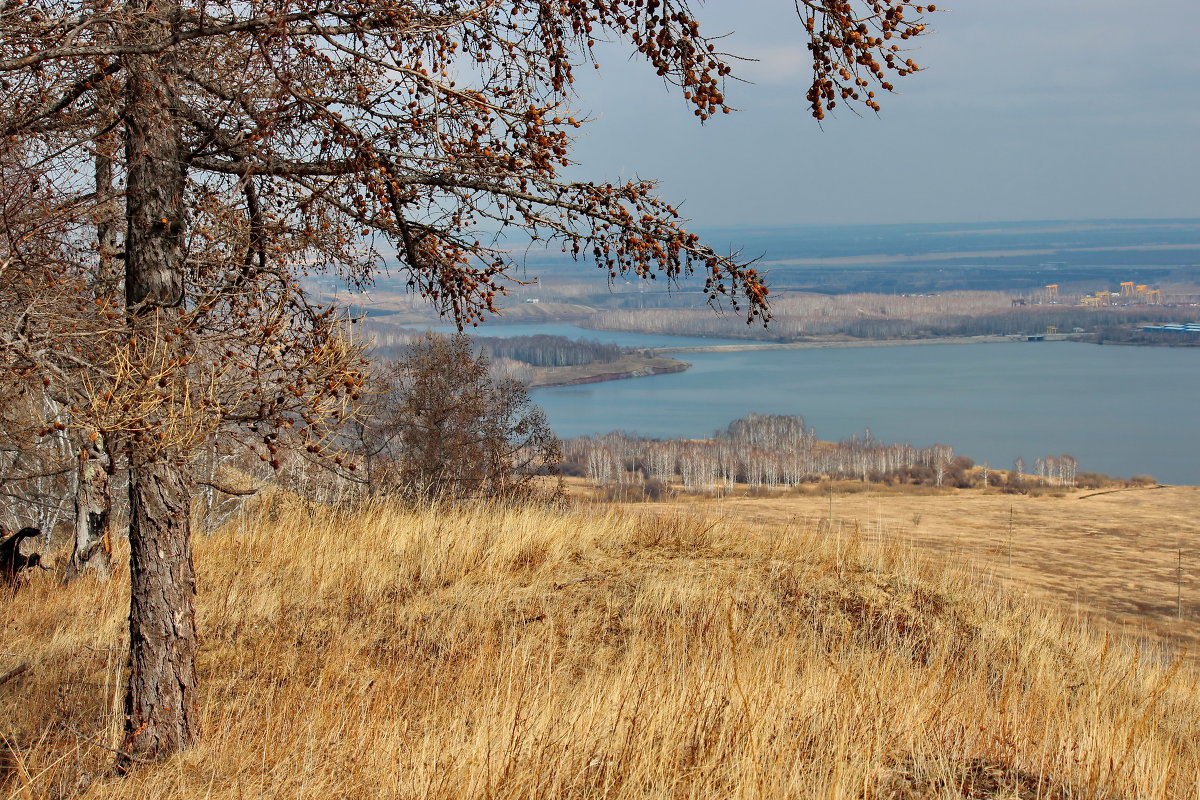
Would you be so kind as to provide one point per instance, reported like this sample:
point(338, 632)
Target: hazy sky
point(1028, 110)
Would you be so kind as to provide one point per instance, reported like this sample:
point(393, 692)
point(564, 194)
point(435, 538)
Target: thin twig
point(228, 489)
point(92, 741)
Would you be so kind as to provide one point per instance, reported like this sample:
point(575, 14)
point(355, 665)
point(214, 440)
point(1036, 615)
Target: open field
point(1113, 555)
point(601, 653)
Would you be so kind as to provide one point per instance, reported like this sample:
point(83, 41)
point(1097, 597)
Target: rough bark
point(161, 715)
point(160, 704)
point(154, 209)
point(93, 510)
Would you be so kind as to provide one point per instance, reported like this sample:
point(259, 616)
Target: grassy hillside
point(1127, 557)
point(534, 653)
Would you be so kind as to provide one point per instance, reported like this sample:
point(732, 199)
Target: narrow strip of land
point(633, 365)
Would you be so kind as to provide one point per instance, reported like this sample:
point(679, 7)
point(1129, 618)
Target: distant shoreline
point(647, 361)
point(839, 343)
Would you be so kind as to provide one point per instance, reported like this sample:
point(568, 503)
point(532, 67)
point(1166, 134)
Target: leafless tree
point(441, 427)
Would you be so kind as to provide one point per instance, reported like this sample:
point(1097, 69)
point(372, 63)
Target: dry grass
point(1112, 555)
point(532, 653)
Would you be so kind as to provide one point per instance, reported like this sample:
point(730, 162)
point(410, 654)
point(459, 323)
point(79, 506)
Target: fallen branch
point(228, 489)
point(13, 673)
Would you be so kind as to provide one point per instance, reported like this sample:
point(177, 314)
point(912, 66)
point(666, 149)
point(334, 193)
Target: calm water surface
point(1121, 410)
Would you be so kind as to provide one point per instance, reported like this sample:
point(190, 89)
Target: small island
point(634, 364)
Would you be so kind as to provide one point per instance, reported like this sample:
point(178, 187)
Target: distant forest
point(550, 351)
point(392, 343)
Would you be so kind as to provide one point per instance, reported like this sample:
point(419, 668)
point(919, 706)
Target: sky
point(1026, 110)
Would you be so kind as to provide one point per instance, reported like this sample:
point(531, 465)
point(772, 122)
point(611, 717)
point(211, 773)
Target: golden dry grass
point(1113, 555)
point(574, 654)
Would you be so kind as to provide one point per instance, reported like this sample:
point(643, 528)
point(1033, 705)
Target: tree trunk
point(93, 489)
point(93, 510)
point(161, 714)
point(160, 704)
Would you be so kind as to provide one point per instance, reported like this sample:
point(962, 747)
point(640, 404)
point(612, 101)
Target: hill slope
point(533, 653)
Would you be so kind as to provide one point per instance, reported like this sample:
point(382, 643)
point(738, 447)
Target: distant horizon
point(699, 229)
point(865, 224)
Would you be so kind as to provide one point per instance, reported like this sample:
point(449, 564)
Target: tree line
point(766, 451)
point(550, 351)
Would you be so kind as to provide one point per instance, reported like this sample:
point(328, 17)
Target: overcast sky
point(1027, 110)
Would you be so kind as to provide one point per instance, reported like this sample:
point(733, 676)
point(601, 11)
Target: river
point(575, 332)
point(1120, 410)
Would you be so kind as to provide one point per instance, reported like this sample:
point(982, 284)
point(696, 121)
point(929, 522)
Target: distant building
point(1188, 328)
